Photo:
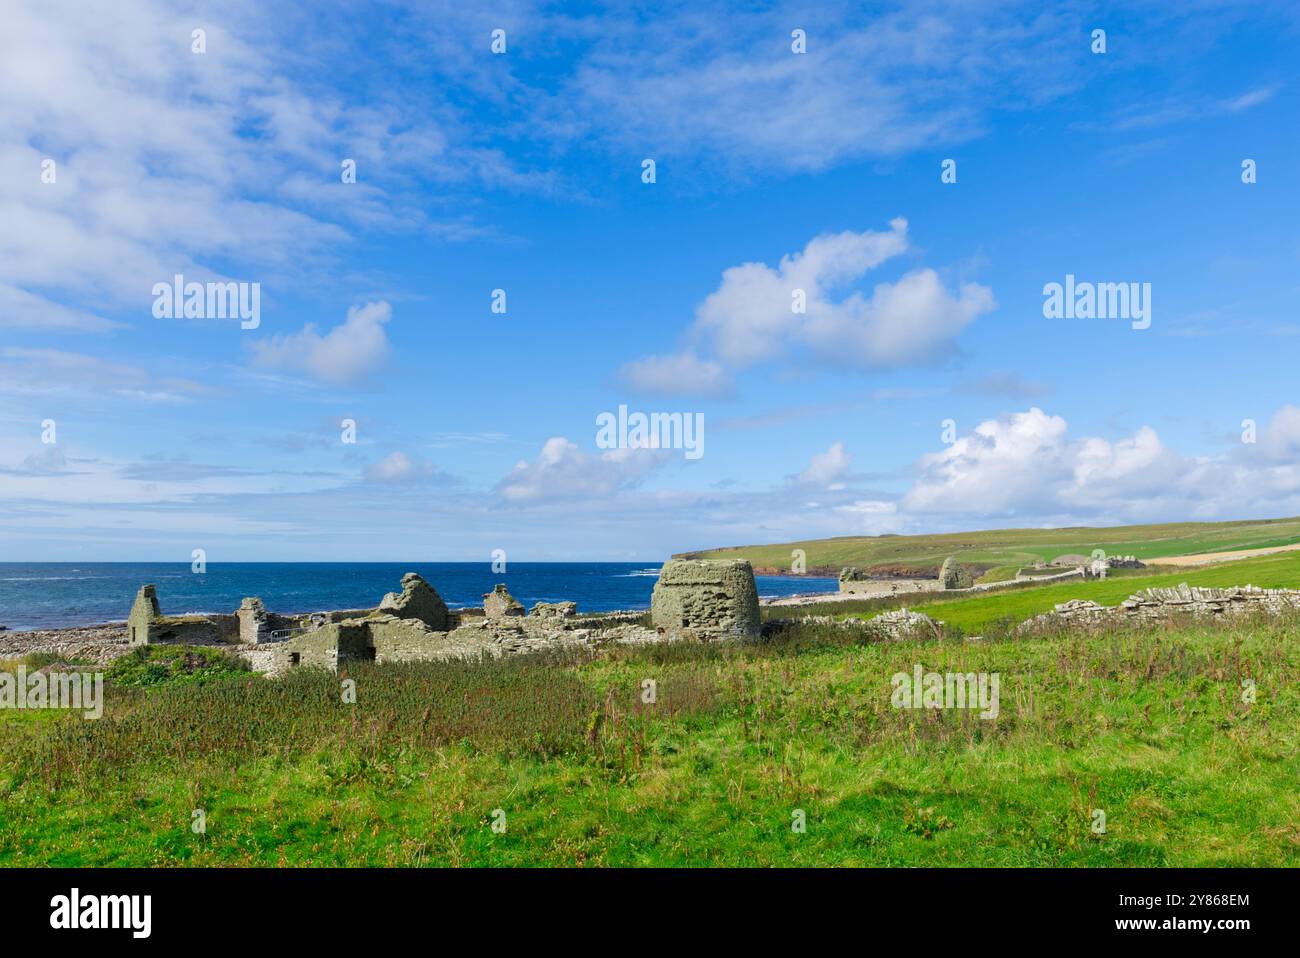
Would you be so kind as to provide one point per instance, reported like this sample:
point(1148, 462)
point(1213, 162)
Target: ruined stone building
point(693, 600)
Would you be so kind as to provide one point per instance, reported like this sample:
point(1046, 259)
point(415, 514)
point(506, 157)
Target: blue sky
point(522, 171)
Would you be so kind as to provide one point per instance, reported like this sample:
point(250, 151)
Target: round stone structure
point(706, 599)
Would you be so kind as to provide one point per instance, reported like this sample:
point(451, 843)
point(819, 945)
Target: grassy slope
point(1149, 728)
point(1010, 547)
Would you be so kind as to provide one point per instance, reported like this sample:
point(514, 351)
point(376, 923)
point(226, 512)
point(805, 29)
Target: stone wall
point(706, 599)
point(403, 640)
point(1162, 605)
point(146, 625)
point(875, 588)
point(315, 650)
point(254, 622)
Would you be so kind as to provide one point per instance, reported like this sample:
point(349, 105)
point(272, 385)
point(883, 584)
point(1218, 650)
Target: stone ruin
point(417, 600)
point(902, 624)
point(706, 599)
point(896, 625)
point(554, 610)
point(1163, 605)
point(500, 604)
point(146, 624)
point(408, 626)
point(953, 576)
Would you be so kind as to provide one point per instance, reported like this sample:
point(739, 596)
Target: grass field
point(1149, 728)
point(1008, 549)
point(977, 614)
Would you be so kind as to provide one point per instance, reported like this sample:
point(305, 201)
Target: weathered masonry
point(407, 626)
point(706, 599)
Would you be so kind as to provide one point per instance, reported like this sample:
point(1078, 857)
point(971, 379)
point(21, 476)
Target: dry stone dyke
point(1161, 605)
point(706, 599)
point(903, 624)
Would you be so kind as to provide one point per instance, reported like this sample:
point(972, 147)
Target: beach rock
point(417, 600)
point(706, 599)
point(499, 603)
point(98, 644)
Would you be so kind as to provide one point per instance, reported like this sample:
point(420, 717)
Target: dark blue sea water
point(55, 595)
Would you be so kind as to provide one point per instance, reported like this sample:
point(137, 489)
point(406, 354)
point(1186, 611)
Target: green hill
point(1014, 547)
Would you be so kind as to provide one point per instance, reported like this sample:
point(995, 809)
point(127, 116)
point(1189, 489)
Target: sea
point(53, 595)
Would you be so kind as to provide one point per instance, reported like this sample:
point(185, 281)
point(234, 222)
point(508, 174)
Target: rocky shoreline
point(99, 644)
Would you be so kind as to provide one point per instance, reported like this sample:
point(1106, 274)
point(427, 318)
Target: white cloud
point(876, 516)
point(399, 467)
point(1026, 465)
point(681, 374)
point(1005, 465)
point(562, 470)
point(913, 321)
point(345, 355)
point(827, 468)
point(173, 162)
point(725, 87)
point(750, 318)
point(19, 308)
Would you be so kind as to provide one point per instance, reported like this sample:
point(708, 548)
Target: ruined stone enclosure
point(693, 599)
point(706, 599)
point(408, 626)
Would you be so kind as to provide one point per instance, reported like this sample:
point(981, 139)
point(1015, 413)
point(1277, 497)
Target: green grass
point(1016, 547)
point(974, 614)
point(1148, 726)
point(154, 665)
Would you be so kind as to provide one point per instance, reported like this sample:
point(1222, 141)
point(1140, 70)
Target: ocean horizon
point(55, 595)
